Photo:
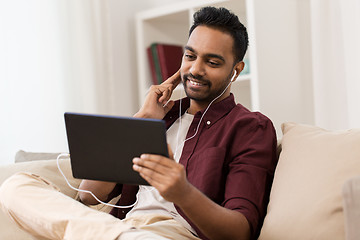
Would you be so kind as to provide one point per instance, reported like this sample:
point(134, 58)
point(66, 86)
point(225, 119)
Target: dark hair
point(225, 21)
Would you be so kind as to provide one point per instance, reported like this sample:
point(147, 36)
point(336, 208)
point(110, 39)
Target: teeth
point(195, 83)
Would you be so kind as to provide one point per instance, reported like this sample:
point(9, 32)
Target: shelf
point(174, 8)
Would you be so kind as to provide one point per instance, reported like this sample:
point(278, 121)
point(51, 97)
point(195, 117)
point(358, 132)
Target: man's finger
point(153, 166)
point(164, 161)
point(166, 94)
point(151, 175)
point(153, 182)
point(174, 80)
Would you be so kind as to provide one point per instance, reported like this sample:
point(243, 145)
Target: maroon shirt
point(231, 160)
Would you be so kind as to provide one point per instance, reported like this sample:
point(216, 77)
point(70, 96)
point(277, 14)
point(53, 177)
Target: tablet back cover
point(102, 147)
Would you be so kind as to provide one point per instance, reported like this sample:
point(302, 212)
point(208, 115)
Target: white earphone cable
point(202, 116)
point(86, 191)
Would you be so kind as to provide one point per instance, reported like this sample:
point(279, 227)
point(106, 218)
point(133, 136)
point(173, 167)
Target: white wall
point(283, 46)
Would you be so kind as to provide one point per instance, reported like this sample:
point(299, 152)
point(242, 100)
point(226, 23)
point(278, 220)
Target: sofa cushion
point(23, 156)
point(305, 200)
point(351, 199)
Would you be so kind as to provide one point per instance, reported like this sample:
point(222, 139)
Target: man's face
point(207, 65)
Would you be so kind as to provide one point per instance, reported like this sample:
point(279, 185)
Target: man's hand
point(169, 178)
point(156, 104)
point(166, 175)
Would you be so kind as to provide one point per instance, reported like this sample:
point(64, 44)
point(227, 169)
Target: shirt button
point(208, 122)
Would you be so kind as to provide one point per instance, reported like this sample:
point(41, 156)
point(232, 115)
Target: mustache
point(197, 78)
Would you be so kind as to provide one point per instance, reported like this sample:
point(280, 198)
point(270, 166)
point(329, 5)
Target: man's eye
point(215, 64)
point(188, 56)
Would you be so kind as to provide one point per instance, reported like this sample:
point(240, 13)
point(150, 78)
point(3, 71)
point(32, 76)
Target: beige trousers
point(37, 206)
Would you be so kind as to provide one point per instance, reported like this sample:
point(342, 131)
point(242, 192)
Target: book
point(164, 60)
point(170, 57)
point(156, 63)
point(154, 79)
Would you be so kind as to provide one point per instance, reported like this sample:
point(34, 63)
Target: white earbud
point(232, 79)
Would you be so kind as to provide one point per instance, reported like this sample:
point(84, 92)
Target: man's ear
point(238, 68)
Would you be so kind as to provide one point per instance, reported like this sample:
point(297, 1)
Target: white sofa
point(315, 194)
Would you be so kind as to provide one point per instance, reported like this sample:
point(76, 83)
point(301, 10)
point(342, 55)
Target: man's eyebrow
point(210, 55)
point(189, 48)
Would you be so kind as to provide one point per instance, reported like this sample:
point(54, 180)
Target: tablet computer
point(102, 147)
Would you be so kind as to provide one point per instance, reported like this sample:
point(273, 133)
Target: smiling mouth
point(196, 82)
point(192, 82)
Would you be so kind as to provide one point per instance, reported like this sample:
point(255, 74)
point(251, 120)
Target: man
point(219, 183)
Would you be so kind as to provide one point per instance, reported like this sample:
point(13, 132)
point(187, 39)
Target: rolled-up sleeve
point(251, 171)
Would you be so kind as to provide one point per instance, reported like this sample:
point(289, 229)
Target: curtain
point(335, 36)
point(55, 57)
point(87, 56)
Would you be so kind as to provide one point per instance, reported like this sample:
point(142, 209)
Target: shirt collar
point(215, 112)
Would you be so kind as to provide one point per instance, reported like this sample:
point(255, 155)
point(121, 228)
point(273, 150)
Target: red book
point(170, 57)
point(152, 66)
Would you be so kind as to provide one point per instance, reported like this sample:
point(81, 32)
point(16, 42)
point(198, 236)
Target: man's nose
point(197, 68)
